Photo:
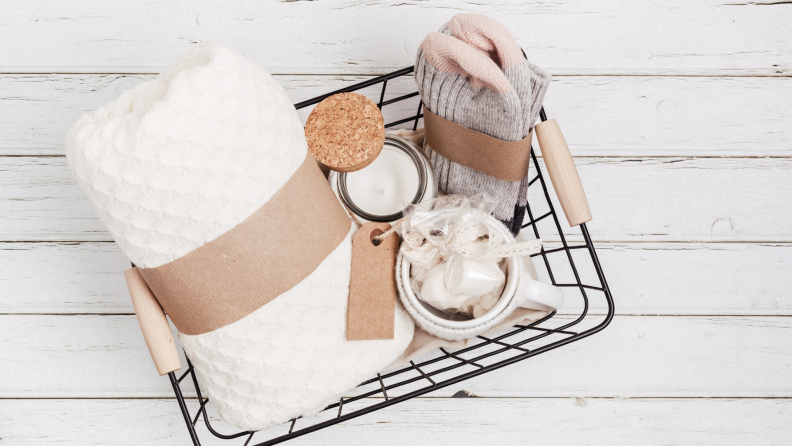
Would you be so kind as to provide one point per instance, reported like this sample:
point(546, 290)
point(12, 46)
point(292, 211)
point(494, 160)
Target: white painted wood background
point(678, 112)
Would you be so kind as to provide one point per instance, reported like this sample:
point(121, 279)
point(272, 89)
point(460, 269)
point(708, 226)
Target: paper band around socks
point(500, 159)
point(264, 256)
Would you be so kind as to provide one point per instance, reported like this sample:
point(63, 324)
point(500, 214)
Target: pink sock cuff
point(487, 35)
point(451, 55)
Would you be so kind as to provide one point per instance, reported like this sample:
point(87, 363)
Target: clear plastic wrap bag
point(457, 258)
point(474, 277)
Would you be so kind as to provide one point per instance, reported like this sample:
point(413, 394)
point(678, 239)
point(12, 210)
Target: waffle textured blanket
point(174, 167)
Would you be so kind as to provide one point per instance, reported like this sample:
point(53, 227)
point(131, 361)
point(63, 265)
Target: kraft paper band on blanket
point(264, 256)
point(501, 159)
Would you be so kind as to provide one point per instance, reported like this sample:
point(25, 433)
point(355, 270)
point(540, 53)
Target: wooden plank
point(40, 200)
point(471, 421)
point(662, 199)
point(636, 356)
point(611, 37)
point(63, 278)
point(600, 116)
point(642, 199)
point(645, 278)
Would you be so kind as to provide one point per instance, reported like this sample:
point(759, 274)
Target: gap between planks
point(597, 242)
point(592, 312)
point(379, 71)
point(11, 152)
point(490, 398)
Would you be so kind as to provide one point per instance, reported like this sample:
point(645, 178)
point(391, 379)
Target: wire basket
point(562, 265)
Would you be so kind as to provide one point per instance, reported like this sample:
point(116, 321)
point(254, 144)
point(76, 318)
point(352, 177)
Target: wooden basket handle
point(153, 324)
point(563, 173)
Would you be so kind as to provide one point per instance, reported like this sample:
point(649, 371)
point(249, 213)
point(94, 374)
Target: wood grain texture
point(607, 37)
point(565, 421)
point(646, 278)
point(692, 199)
point(600, 116)
point(642, 199)
point(651, 83)
point(106, 357)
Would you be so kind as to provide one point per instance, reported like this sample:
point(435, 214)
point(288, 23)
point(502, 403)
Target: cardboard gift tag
point(372, 285)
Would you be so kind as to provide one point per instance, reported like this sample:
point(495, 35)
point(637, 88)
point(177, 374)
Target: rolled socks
point(473, 73)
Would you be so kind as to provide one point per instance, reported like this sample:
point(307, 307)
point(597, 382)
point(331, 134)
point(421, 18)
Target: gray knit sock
point(456, 84)
point(539, 81)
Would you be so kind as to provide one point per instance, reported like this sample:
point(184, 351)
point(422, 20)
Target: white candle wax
point(385, 186)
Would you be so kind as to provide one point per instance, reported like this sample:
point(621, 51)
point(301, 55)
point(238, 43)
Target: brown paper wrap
point(504, 160)
point(372, 284)
point(264, 256)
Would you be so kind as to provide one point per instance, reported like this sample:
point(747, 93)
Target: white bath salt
point(457, 255)
point(474, 277)
point(435, 293)
point(481, 282)
point(485, 303)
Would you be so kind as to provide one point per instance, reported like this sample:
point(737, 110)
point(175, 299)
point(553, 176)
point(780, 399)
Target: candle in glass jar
point(385, 186)
point(401, 175)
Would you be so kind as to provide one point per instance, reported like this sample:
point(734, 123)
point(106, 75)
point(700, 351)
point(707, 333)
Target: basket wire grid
point(445, 368)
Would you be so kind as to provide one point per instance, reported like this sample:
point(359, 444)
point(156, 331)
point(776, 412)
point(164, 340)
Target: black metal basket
point(446, 368)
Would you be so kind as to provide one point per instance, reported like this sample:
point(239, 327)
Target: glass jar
point(401, 175)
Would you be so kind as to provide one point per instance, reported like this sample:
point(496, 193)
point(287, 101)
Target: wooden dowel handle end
point(563, 173)
point(153, 324)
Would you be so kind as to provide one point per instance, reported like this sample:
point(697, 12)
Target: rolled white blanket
point(203, 178)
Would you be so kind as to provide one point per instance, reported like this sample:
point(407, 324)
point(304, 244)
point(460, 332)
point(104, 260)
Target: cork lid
point(345, 132)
